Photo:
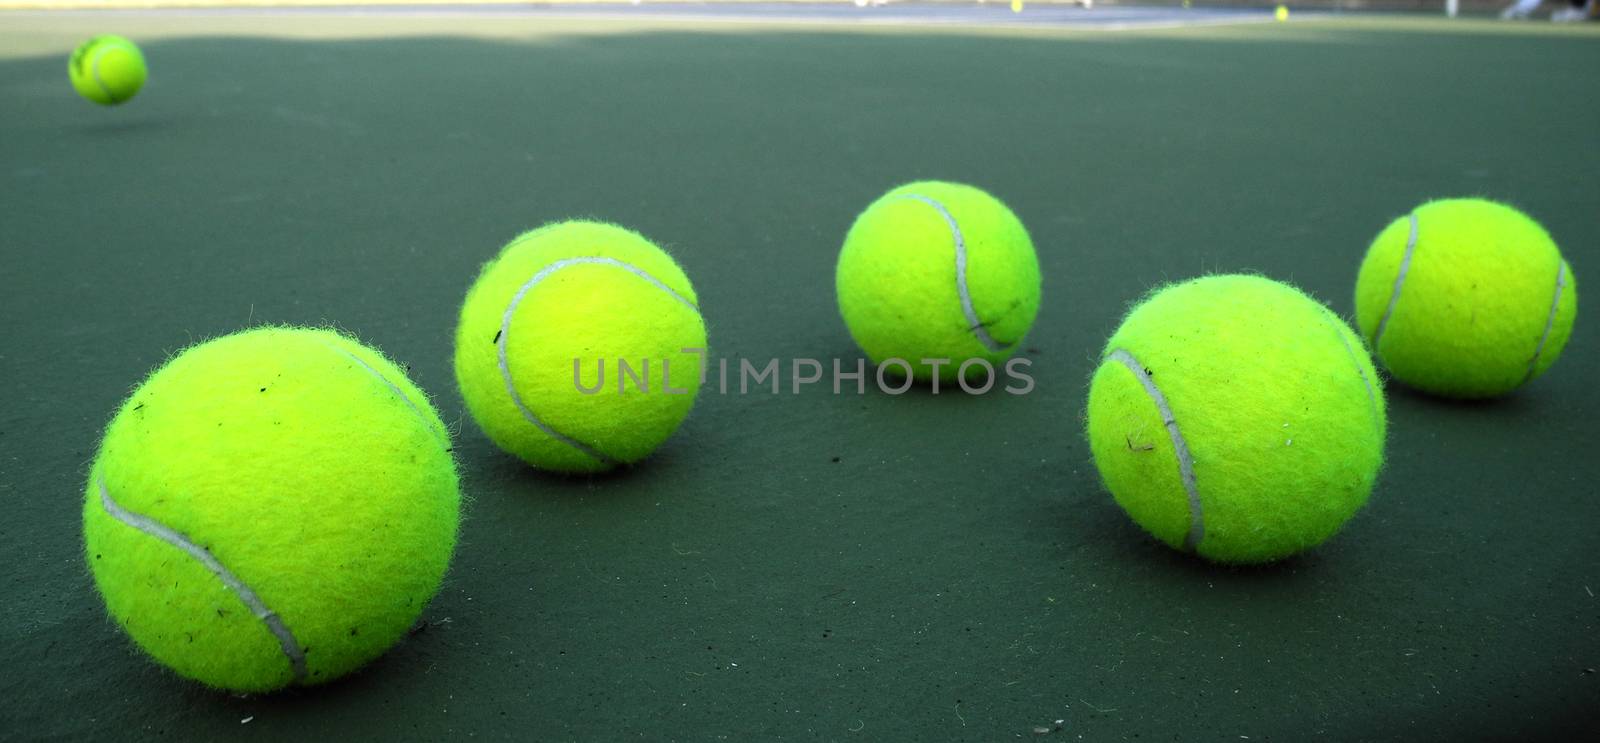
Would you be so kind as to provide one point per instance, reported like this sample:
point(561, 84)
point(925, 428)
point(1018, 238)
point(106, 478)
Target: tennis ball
point(271, 508)
point(580, 347)
point(937, 271)
point(107, 69)
point(1236, 418)
point(1465, 298)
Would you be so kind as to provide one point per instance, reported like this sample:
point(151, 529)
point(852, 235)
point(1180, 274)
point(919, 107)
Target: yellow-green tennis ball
point(580, 347)
point(939, 271)
point(1237, 418)
point(271, 508)
point(1465, 298)
point(107, 69)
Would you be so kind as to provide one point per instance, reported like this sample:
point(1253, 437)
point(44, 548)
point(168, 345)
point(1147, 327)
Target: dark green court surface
point(812, 567)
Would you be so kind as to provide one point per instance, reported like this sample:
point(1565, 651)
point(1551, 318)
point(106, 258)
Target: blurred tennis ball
point(107, 69)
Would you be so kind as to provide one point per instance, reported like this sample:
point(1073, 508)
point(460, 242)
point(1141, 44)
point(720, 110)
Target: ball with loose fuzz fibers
point(107, 69)
point(271, 508)
point(1236, 418)
point(938, 271)
point(1465, 298)
point(580, 347)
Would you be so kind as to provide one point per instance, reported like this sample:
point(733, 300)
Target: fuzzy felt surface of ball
point(938, 271)
point(1465, 298)
point(271, 508)
point(579, 348)
point(1235, 417)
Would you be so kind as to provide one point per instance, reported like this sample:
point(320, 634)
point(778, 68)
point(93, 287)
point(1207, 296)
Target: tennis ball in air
point(1465, 298)
point(580, 347)
point(107, 69)
point(271, 508)
point(937, 271)
point(1236, 418)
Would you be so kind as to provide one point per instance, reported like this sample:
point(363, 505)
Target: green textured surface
point(812, 567)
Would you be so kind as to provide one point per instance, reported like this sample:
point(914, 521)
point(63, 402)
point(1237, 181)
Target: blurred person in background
point(1578, 11)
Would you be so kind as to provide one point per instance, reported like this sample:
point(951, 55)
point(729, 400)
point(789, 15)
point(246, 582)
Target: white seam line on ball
point(291, 647)
point(1399, 281)
point(1180, 448)
point(426, 419)
point(94, 68)
point(973, 323)
point(1334, 322)
point(505, 333)
point(1549, 322)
